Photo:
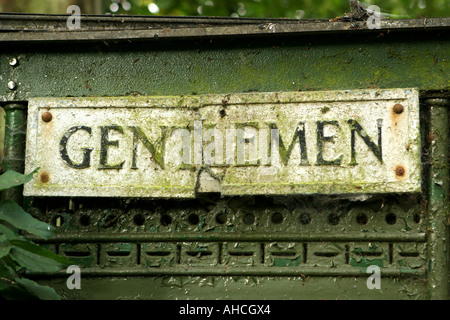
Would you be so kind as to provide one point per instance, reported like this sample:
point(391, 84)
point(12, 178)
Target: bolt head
point(12, 85)
point(398, 108)
point(45, 177)
point(13, 62)
point(400, 171)
point(47, 117)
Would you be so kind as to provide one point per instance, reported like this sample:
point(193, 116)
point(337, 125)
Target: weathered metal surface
point(247, 144)
point(15, 121)
point(2, 132)
point(167, 249)
point(438, 210)
point(23, 28)
point(362, 60)
point(182, 241)
point(240, 288)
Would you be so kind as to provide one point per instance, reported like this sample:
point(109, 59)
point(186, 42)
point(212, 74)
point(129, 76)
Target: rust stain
point(47, 116)
point(398, 108)
point(400, 171)
point(44, 177)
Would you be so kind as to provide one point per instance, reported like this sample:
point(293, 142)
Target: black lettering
point(105, 144)
point(321, 139)
point(298, 134)
point(138, 135)
point(376, 149)
point(86, 153)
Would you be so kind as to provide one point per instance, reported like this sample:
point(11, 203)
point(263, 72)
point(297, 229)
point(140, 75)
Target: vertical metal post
point(438, 206)
point(15, 137)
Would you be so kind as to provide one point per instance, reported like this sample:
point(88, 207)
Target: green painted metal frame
point(241, 60)
point(438, 210)
point(14, 148)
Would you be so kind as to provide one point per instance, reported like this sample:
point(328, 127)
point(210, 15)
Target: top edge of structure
point(42, 27)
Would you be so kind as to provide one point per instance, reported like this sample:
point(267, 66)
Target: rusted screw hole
point(249, 219)
point(334, 219)
point(193, 219)
point(416, 218)
point(44, 177)
point(398, 108)
point(400, 171)
point(391, 219)
point(165, 220)
point(139, 219)
point(305, 218)
point(362, 219)
point(221, 218)
point(47, 117)
point(85, 220)
point(277, 218)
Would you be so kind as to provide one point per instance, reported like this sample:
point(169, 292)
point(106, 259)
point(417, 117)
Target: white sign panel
point(331, 142)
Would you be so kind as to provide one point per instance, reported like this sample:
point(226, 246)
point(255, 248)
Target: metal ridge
point(25, 27)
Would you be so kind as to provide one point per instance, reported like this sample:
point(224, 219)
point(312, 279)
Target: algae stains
point(315, 142)
point(325, 109)
point(392, 53)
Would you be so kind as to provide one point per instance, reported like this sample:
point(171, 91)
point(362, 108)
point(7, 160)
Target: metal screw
point(47, 117)
point(11, 85)
point(398, 108)
point(44, 177)
point(400, 171)
point(13, 62)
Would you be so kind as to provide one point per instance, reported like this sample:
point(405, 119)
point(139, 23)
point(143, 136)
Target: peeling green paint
point(364, 263)
point(279, 262)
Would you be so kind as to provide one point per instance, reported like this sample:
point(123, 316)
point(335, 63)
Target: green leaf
point(7, 276)
point(16, 292)
point(8, 267)
point(4, 249)
point(5, 270)
point(40, 291)
point(33, 248)
point(5, 283)
point(16, 216)
point(34, 262)
point(8, 233)
point(13, 179)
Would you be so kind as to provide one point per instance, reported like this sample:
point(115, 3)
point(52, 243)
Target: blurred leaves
point(295, 9)
point(299, 9)
point(12, 179)
point(12, 213)
point(17, 253)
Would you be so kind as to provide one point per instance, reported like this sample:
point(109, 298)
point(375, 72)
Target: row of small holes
point(248, 219)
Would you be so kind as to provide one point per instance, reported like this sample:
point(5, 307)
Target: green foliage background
point(305, 9)
point(18, 254)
